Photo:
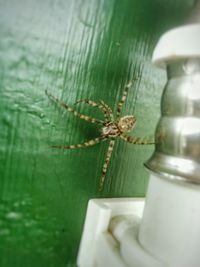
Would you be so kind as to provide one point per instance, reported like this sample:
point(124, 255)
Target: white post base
point(110, 230)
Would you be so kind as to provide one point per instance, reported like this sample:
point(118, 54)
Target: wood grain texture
point(74, 49)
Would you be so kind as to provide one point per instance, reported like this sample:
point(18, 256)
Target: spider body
point(112, 127)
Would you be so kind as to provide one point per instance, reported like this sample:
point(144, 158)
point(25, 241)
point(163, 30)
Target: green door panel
point(74, 49)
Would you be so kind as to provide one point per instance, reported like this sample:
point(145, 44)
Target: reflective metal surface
point(177, 150)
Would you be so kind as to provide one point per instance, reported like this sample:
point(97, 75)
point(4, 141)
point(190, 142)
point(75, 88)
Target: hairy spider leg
point(123, 99)
point(124, 96)
point(108, 115)
point(73, 111)
point(106, 163)
point(85, 144)
point(136, 140)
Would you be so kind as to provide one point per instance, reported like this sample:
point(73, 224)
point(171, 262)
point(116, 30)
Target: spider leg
point(108, 115)
point(136, 140)
point(106, 163)
point(89, 102)
point(83, 145)
point(73, 111)
point(124, 96)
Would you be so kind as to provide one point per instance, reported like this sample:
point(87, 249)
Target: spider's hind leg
point(83, 145)
point(136, 140)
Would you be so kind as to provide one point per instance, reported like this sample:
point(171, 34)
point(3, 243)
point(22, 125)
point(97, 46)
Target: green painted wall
point(75, 49)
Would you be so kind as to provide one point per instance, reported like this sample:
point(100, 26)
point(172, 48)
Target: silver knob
point(177, 149)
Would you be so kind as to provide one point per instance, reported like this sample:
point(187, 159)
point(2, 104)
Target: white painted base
point(100, 248)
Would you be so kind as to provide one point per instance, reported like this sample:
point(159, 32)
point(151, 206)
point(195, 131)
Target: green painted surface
point(74, 49)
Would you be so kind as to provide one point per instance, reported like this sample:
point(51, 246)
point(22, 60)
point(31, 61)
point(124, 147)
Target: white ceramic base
point(110, 235)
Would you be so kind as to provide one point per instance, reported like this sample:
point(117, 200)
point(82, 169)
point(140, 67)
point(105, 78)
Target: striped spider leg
point(72, 110)
point(123, 99)
point(108, 114)
point(85, 144)
point(106, 163)
point(136, 140)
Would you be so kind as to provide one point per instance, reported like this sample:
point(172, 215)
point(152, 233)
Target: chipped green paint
point(76, 49)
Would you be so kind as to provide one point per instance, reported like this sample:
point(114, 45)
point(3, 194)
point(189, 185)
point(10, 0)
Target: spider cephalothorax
point(111, 127)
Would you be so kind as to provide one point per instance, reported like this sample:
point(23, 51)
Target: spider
point(112, 127)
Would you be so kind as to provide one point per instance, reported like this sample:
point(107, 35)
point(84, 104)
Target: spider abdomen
point(126, 123)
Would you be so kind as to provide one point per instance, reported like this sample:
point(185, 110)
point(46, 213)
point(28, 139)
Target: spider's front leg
point(124, 96)
point(103, 107)
point(106, 163)
point(136, 140)
point(72, 110)
point(123, 99)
